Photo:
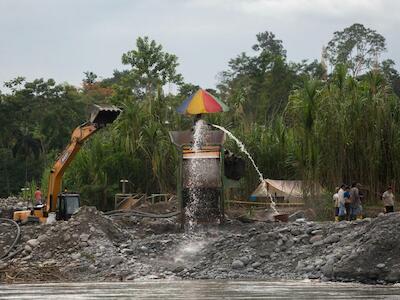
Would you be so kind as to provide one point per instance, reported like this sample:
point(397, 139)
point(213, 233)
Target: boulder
point(84, 237)
point(237, 264)
point(334, 238)
point(315, 238)
point(33, 243)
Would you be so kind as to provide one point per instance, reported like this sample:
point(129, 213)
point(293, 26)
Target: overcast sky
point(61, 39)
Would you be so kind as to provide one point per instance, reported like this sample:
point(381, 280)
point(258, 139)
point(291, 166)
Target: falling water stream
point(260, 175)
point(195, 174)
point(195, 170)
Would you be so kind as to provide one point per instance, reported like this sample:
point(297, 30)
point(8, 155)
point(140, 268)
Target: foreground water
point(200, 289)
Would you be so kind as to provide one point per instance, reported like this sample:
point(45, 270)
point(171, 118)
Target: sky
point(61, 39)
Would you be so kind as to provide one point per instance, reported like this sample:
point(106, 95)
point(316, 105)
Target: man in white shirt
point(340, 200)
point(388, 200)
point(335, 199)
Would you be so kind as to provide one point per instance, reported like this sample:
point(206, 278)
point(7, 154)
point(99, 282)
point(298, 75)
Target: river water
point(199, 289)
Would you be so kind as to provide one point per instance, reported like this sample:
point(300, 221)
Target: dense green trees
point(36, 120)
point(357, 47)
point(296, 120)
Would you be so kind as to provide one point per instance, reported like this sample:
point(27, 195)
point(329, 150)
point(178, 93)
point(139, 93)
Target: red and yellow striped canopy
point(202, 102)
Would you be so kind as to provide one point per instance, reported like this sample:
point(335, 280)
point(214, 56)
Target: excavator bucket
point(103, 114)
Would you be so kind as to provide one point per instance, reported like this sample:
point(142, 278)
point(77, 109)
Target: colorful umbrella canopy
point(202, 102)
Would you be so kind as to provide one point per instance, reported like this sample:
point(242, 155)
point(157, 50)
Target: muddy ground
point(92, 246)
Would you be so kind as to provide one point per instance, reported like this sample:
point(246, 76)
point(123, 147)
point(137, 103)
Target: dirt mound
point(68, 247)
point(94, 247)
point(9, 205)
point(374, 254)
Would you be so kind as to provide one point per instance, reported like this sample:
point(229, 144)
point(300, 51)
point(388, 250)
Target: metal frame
point(221, 188)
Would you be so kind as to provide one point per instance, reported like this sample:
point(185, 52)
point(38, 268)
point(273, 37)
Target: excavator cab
point(67, 205)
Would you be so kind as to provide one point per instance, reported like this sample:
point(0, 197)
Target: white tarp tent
point(286, 190)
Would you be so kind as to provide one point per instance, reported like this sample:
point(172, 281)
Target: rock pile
point(94, 247)
point(10, 204)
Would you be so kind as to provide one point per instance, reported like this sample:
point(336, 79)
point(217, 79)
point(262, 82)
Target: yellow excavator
point(65, 204)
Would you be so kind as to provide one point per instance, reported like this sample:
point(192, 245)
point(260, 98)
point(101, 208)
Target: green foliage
point(296, 122)
point(357, 47)
point(151, 67)
point(38, 117)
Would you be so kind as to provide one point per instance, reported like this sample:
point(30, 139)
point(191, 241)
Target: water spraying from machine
point(260, 175)
point(194, 175)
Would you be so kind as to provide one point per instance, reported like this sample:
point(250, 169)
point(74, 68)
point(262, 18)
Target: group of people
point(347, 201)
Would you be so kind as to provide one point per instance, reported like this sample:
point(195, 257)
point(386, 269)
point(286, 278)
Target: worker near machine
point(335, 199)
point(388, 200)
point(340, 199)
point(355, 202)
point(38, 196)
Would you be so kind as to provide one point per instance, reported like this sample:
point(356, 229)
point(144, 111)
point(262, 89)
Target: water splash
point(260, 175)
point(195, 174)
point(189, 249)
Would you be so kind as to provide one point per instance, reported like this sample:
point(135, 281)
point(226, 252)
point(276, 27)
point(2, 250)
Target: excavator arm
point(100, 116)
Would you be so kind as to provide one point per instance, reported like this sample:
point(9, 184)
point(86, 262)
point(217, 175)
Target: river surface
point(199, 289)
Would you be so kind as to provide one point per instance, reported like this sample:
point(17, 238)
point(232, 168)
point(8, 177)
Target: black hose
point(16, 238)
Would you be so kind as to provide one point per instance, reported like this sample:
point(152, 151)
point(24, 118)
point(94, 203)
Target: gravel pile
point(9, 205)
point(94, 247)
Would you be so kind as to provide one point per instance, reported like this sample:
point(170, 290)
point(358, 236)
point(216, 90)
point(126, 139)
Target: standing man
point(340, 199)
point(335, 199)
point(347, 202)
point(355, 202)
point(388, 200)
point(38, 196)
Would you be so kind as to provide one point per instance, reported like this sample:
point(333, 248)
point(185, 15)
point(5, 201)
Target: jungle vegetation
point(330, 121)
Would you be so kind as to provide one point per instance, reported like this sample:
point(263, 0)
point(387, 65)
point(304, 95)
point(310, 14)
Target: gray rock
point(256, 264)
point(300, 265)
point(245, 260)
point(315, 238)
point(342, 224)
point(76, 256)
point(84, 237)
point(297, 215)
point(289, 243)
point(33, 243)
point(317, 232)
point(178, 269)
point(318, 243)
point(303, 237)
point(116, 260)
point(237, 264)
point(41, 238)
point(380, 266)
point(264, 236)
point(47, 255)
point(314, 276)
point(328, 268)
point(3, 265)
point(144, 249)
point(27, 257)
point(66, 237)
point(334, 238)
point(296, 231)
point(28, 248)
point(264, 254)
